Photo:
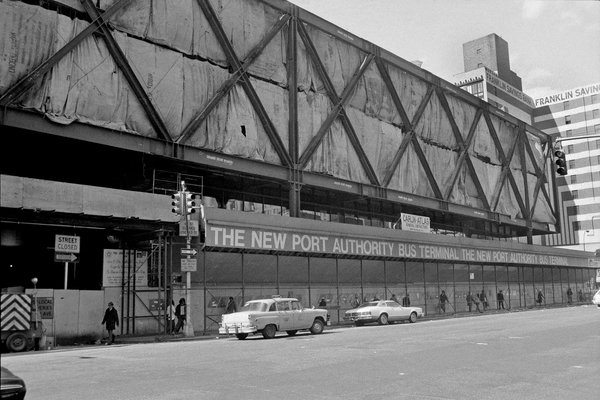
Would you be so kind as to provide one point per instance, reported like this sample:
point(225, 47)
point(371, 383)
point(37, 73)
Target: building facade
point(305, 143)
point(572, 117)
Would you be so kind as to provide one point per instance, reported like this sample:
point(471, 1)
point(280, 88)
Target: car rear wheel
point(317, 327)
point(413, 317)
point(383, 319)
point(241, 336)
point(16, 342)
point(291, 333)
point(269, 331)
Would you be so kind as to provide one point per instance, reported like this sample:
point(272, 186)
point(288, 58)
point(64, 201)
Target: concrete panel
point(11, 191)
point(66, 315)
point(52, 196)
point(91, 312)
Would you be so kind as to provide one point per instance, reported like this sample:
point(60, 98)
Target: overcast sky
point(554, 45)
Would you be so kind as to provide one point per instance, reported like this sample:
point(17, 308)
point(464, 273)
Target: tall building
point(573, 118)
point(488, 76)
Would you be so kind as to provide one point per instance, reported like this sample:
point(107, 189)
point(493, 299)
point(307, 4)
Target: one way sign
point(65, 257)
point(189, 252)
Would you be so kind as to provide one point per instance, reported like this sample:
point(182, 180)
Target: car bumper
point(362, 318)
point(237, 328)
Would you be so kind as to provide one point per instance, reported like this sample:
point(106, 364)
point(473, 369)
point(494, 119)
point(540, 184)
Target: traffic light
point(190, 203)
point(560, 161)
point(177, 203)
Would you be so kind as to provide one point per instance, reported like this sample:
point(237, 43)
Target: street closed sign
point(67, 244)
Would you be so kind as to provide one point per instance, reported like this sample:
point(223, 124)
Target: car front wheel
point(16, 342)
point(269, 331)
point(317, 327)
point(413, 317)
point(383, 319)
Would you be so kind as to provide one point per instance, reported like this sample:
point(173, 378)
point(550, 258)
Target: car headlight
point(365, 313)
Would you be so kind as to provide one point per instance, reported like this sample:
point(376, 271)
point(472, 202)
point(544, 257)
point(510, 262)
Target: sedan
point(596, 299)
point(13, 387)
point(382, 312)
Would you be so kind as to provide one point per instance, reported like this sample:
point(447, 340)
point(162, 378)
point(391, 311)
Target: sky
point(554, 45)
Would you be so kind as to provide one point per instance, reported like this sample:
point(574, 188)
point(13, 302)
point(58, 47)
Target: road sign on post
point(65, 248)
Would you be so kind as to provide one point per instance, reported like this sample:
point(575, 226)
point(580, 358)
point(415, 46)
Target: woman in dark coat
point(111, 318)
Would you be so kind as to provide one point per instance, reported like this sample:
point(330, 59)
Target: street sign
point(66, 257)
point(188, 265)
point(189, 252)
point(192, 225)
point(67, 244)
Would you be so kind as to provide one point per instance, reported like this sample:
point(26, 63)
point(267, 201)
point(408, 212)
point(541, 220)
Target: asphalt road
point(541, 354)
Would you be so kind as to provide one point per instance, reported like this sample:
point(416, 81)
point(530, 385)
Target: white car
point(267, 316)
point(596, 299)
point(382, 312)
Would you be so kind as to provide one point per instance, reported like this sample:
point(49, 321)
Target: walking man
point(443, 300)
point(111, 319)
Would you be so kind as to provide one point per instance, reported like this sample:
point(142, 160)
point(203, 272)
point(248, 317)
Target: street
point(539, 354)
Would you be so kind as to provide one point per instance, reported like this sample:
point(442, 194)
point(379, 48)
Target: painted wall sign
point(265, 239)
point(568, 95)
point(112, 267)
point(493, 79)
point(415, 223)
point(45, 306)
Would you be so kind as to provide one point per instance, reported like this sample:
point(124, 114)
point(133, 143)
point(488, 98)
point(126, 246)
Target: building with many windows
point(487, 75)
point(572, 117)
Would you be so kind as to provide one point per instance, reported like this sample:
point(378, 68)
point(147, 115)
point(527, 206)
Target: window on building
point(597, 128)
point(596, 113)
point(478, 51)
point(594, 99)
point(571, 164)
point(573, 178)
point(566, 105)
point(570, 149)
point(576, 225)
point(597, 141)
point(569, 133)
point(574, 194)
point(567, 119)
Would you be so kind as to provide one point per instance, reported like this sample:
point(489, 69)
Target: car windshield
point(369, 304)
point(255, 306)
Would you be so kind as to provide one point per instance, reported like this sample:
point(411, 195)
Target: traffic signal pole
point(189, 328)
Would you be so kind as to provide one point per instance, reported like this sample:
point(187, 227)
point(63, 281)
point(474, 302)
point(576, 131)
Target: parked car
point(12, 387)
point(268, 316)
point(596, 299)
point(382, 312)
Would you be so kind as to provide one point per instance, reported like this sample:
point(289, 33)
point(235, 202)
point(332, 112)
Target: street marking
point(515, 337)
point(577, 366)
point(483, 344)
point(401, 373)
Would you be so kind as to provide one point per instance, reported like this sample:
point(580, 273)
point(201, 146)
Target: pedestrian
point(500, 299)
point(483, 298)
point(569, 296)
point(406, 301)
point(375, 298)
point(580, 296)
point(323, 303)
point(111, 319)
point(171, 317)
point(443, 300)
point(180, 313)
point(469, 301)
point(540, 297)
point(394, 298)
point(355, 301)
point(231, 306)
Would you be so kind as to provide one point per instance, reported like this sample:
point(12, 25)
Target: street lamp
point(34, 280)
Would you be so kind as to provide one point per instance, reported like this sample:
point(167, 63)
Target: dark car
point(13, 387)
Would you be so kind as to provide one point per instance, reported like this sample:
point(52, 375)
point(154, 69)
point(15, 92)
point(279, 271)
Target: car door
point(301, 318)
point(286, 316)
point(395, 312)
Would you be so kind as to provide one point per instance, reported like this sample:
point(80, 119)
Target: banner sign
point(415, 223)
point(568, 95)
point(264, 239)
point(114, 261)
point(493, 79)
